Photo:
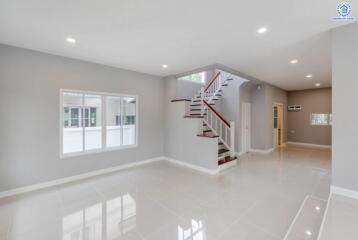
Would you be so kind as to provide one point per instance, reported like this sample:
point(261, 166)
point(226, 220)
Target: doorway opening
point(278, 125)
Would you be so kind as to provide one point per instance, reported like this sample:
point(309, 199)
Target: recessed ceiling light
point(164, 66)
point(70, 40)
point(317, 84)
point(318, 208)
point(262, 30)
point(294, 61)
point(308, 233)
point(309, 76)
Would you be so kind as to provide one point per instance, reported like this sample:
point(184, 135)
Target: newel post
point(232, 139)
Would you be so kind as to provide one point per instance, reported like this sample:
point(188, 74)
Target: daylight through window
point(97, 121)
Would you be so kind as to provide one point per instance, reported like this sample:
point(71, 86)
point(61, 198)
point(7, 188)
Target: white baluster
point(202, 94)
point(232, 139)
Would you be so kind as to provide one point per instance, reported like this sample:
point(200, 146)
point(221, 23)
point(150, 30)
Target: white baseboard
point(239, 154)
point(338, 191)
point(195, 167)
point(266, 151)
point(60, 181)
point(344, 192)
point(310, 145)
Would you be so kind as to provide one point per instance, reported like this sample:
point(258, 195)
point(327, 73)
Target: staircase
point(214, 125)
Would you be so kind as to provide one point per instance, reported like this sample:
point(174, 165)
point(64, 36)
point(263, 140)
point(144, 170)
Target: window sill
point(95, 151)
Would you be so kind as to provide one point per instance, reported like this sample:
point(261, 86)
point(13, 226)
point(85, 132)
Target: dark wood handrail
point(212, 81)
point(216, 113)
point(181, 100)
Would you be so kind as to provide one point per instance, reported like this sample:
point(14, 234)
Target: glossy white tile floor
point(341, 220)
point(308, 221)
point(256, 200)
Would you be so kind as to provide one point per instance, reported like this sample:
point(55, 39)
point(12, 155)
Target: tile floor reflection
point(257, 199)
point(105, 220)
point(195, 231)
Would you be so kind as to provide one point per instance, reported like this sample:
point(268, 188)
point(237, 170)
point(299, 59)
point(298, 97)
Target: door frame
point(280, 124)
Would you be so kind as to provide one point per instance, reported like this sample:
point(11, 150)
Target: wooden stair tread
point(199, 100)
point(208, 136)
point(196, 114)
point(226, 160)
point(207, 131)
point(198, 105)
point(221, 151)
point(191, 116)
point(180, 100)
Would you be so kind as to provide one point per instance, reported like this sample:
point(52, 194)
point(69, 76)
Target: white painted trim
point(104, 148)
point(325, 215)
point(344, 192)
point(261, 151)
point(194, 167)
point(60, 181)
point(310, 145)
point(338, 191)
point(239, 154)
point(225, 166)
point(296, 217)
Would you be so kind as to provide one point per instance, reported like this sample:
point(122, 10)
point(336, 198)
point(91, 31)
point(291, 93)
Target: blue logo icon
point(344, 10)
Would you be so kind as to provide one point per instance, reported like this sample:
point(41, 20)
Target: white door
point(245, 127)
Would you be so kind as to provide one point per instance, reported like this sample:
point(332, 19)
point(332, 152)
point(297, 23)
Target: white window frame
point(323, 125)
point(103, 148)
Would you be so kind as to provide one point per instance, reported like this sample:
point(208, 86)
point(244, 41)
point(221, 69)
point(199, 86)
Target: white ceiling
point(142, 35)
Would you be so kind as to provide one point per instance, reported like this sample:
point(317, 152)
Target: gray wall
point(262, 103)
point(187, 89)
point(258, 118)
point(29, 108)
point(299, 126)
point(181, 142)
point(344, 102)
point(229, 106)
